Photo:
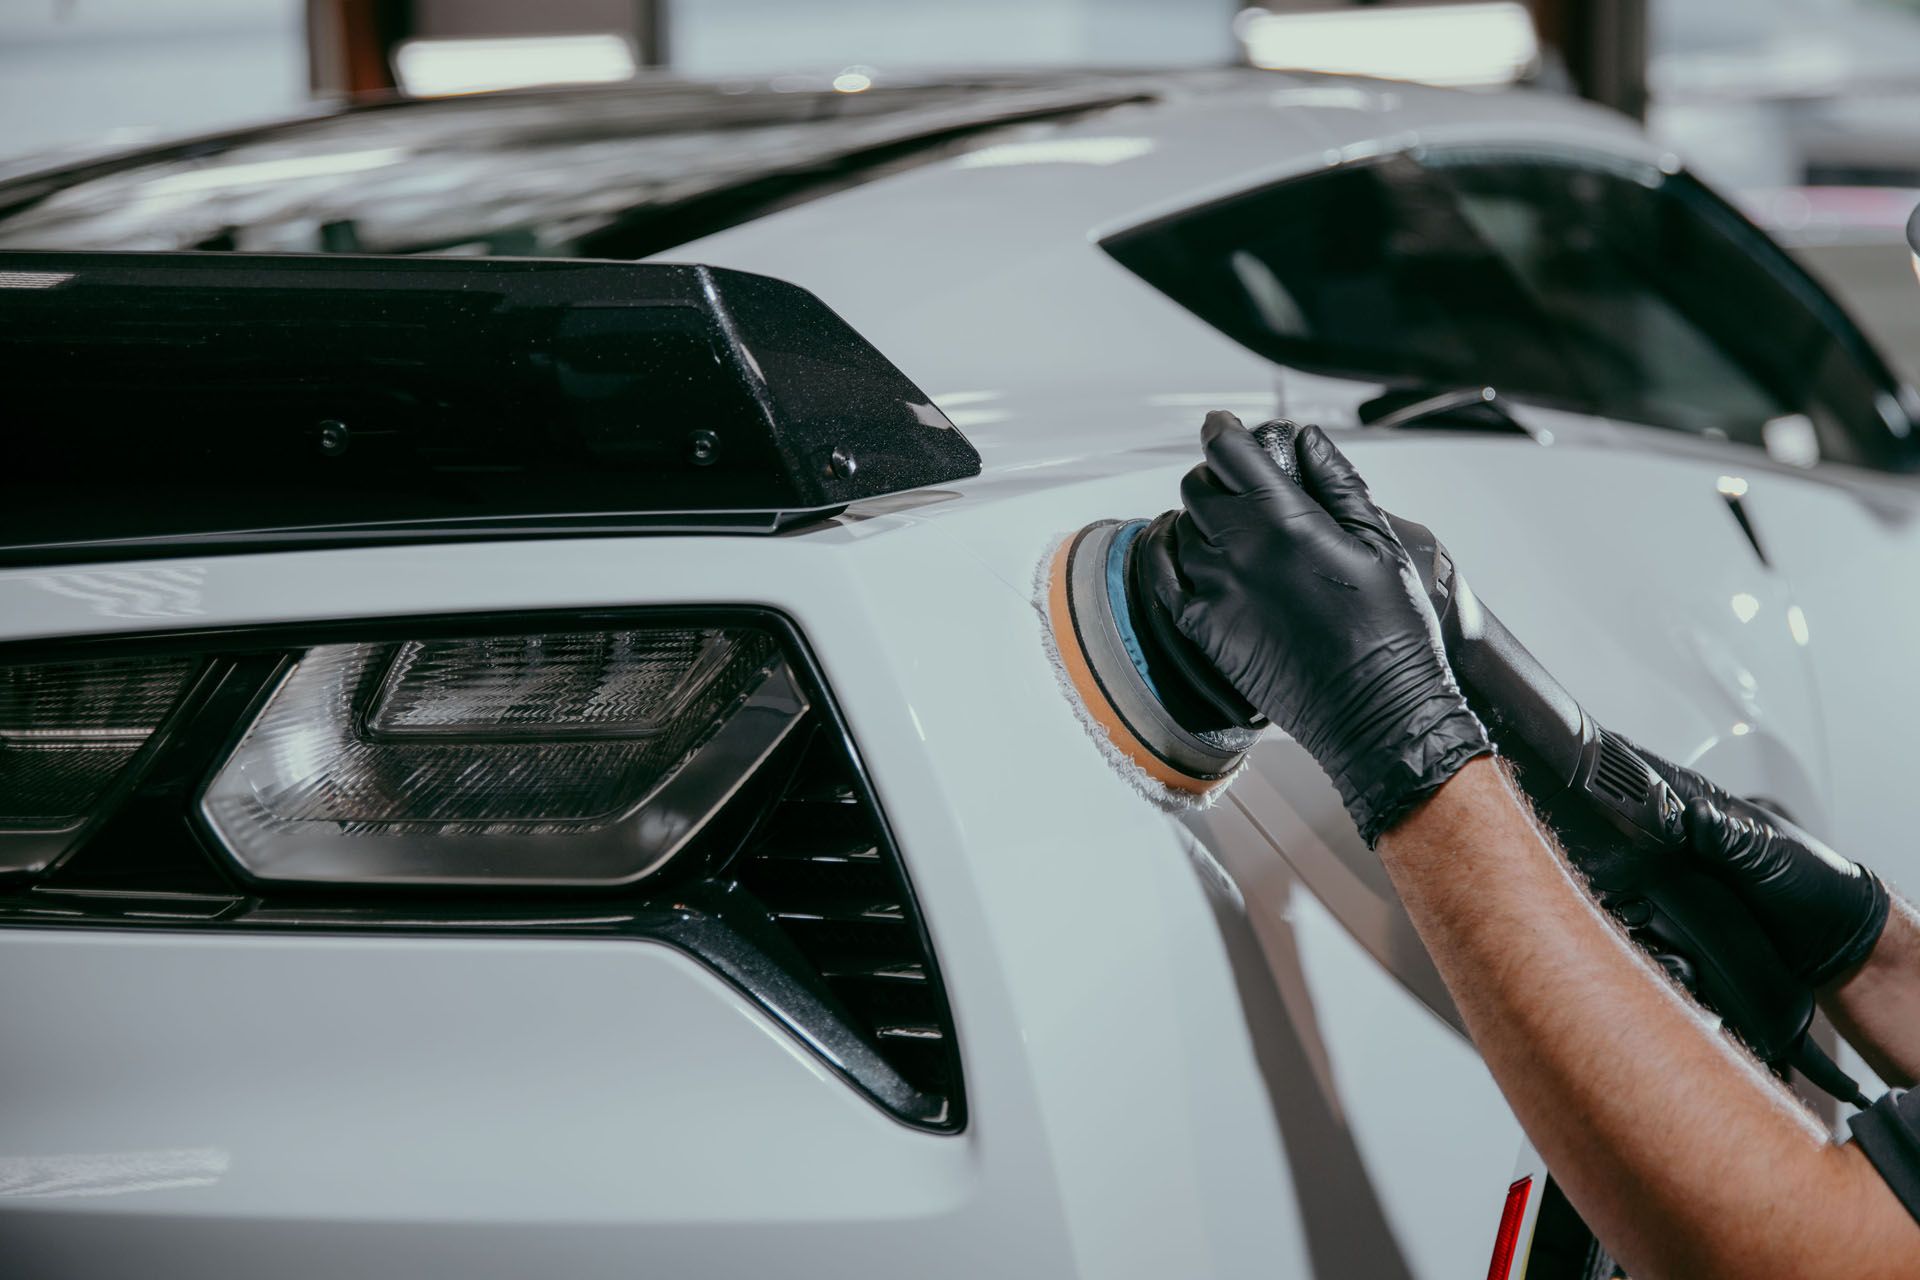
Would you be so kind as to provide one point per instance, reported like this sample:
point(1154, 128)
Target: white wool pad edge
point(1151, 789)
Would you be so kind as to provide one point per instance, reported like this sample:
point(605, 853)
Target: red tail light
point(1508, 1240)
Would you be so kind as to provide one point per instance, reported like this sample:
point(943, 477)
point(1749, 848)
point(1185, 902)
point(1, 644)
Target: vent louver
point(826, 875)
point(1619, 774)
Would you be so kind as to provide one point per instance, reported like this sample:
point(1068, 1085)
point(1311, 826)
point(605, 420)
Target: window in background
point(1636, 295)
point(1641, 294)
point(88, 76)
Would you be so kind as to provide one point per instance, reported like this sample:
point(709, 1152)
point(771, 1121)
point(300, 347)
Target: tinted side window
point(1678, 315)
point(1636, 296)
point(1624, 274)
point(1370, 270)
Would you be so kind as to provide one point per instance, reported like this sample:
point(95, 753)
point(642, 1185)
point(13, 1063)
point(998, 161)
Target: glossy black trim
point(175, 764)
point(1563, 1246)
point(692, 905)
point(168, 403)
point(1470, 408)
point(1737, 505)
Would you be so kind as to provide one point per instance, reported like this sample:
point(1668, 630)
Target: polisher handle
point(1277, 438)
point(1619, 820)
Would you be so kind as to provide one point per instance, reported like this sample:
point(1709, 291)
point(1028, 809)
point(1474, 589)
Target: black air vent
point(824, 870)
point(1619, 775)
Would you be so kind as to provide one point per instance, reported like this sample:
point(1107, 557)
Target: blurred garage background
point(1801, 110)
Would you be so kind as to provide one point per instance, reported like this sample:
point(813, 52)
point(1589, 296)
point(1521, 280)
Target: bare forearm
point(1877, 1007)
point(1684, 1156)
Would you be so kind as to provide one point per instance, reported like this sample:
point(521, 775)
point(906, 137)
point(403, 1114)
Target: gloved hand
point(1303, 598)
point(1822, 912)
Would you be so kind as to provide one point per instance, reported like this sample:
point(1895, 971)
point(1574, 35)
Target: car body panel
point(1135, 1050)
point(545, 1042)
point(1850, 543)
point(1042, 1028)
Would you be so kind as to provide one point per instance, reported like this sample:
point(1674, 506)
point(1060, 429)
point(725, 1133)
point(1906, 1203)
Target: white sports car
point(516, 767)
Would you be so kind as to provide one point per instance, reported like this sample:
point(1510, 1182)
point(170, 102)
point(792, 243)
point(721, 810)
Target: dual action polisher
point(1179, 732)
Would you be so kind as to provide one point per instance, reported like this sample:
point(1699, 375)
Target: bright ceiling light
point(439, 68)
point(1444, 44)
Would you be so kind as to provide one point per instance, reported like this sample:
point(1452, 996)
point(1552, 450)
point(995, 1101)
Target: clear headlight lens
point(68, 731)
point(577, 758)
point(579, 685)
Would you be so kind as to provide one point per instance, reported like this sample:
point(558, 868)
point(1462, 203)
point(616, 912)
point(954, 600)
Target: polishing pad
point(1098, 656)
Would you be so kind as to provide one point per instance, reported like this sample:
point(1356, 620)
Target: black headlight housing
point(674, 776)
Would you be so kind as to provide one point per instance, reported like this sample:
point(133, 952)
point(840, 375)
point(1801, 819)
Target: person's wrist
point(1888, 965)
point(1449, 807)
point(1436, 737)
point(1859, 951)
point(1414, 781)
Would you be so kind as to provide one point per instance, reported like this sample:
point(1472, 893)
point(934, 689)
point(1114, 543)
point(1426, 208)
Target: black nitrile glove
point(1303, 598)
point(1822, 912)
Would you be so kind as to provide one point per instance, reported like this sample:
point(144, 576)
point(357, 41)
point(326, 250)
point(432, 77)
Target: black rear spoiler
point(178, 403)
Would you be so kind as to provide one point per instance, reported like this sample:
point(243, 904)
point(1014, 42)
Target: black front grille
point(794, 892)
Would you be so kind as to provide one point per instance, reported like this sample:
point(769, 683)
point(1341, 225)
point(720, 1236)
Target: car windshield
point(605, 172)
